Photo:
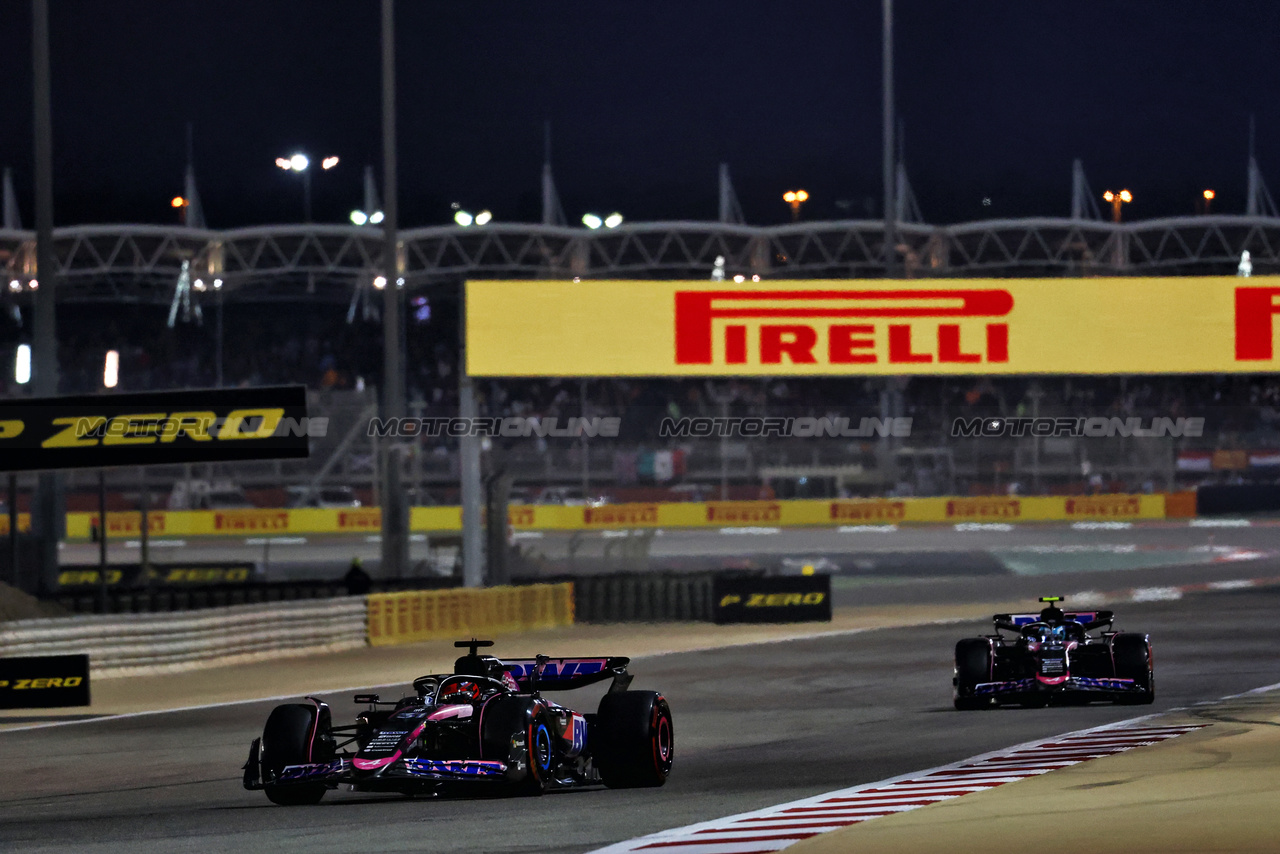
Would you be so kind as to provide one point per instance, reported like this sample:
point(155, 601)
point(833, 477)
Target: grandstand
point(296, 304)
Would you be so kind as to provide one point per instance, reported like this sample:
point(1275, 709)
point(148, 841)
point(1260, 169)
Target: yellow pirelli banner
point(857, 327)
point(420, 615)
point(861, 511)
point(264, 522)
point(553, 517)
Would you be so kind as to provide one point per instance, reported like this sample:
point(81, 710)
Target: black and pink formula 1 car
point(485, 724)
point(1053, 658)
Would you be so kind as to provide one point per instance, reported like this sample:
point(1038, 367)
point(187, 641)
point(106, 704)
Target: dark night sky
point(645, 99)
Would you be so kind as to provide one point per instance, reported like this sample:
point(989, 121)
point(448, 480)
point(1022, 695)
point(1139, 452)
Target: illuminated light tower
point(594, 221)
point(1208, 198)
point(1117, 199)
point(301, 164)
point(180, 204)
point(465, 219)
point(795, 198)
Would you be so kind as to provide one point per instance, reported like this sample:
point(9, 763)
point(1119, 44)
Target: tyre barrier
point(646, 597)
point(140, 643)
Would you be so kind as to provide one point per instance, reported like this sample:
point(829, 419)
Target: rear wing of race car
point(1087, 619)
point(565, 674)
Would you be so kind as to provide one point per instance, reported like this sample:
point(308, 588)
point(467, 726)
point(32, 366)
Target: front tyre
point(290, 737)
point(1132, 654)
point(974, 665)
point(634, 740)
point(541, 747)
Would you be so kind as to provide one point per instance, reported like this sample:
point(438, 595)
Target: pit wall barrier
point(713, 514)
point(396, 618)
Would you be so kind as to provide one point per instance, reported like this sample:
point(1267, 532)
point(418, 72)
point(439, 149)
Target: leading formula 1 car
point(486, 723)
point(1053, 658)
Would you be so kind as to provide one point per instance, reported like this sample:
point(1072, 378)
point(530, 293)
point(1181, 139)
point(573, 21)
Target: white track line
point(775, 828)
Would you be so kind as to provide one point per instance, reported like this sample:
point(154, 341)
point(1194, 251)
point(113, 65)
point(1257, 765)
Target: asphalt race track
point(755, 726)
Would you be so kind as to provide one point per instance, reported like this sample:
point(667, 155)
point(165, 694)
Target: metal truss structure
point(141, 263)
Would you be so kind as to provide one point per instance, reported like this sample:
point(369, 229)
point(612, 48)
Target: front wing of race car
point(393, 774)
point(1031, 686)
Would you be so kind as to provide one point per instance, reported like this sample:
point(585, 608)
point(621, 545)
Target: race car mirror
point(156, 428)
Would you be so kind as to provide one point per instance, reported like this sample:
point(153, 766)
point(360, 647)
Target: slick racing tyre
point(541, 747)
point(288, 739)
point(634, 740)
point(1132, 654)
point(504, 718)
point(973, 666)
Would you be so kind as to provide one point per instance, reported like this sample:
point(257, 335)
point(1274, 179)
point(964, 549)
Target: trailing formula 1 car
point(485, 724)
point(1053, 659)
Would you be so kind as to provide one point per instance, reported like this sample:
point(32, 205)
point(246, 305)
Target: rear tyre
point(973, 667)
point(634, 740)
point(1132, 654)
point(292, 736)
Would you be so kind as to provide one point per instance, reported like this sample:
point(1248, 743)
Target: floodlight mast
point(890, 209)
point(395, 516)
point(47, 518)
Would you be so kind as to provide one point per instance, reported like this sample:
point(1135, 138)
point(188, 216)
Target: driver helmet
point(460, 691)
point(1052, 614)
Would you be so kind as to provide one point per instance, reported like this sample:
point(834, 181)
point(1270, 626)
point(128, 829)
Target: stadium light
point(1116, 200)
point(178, 202)
point(111, 369)
point(795, 198)
point(301, 164)
point(594, 221)
point(1208, 198)
point(362, 218)
point(466, 218)
point(379, 282)
point(22, 364)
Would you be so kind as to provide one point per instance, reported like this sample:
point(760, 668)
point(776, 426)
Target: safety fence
point(139, 643)
point(713, 514)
